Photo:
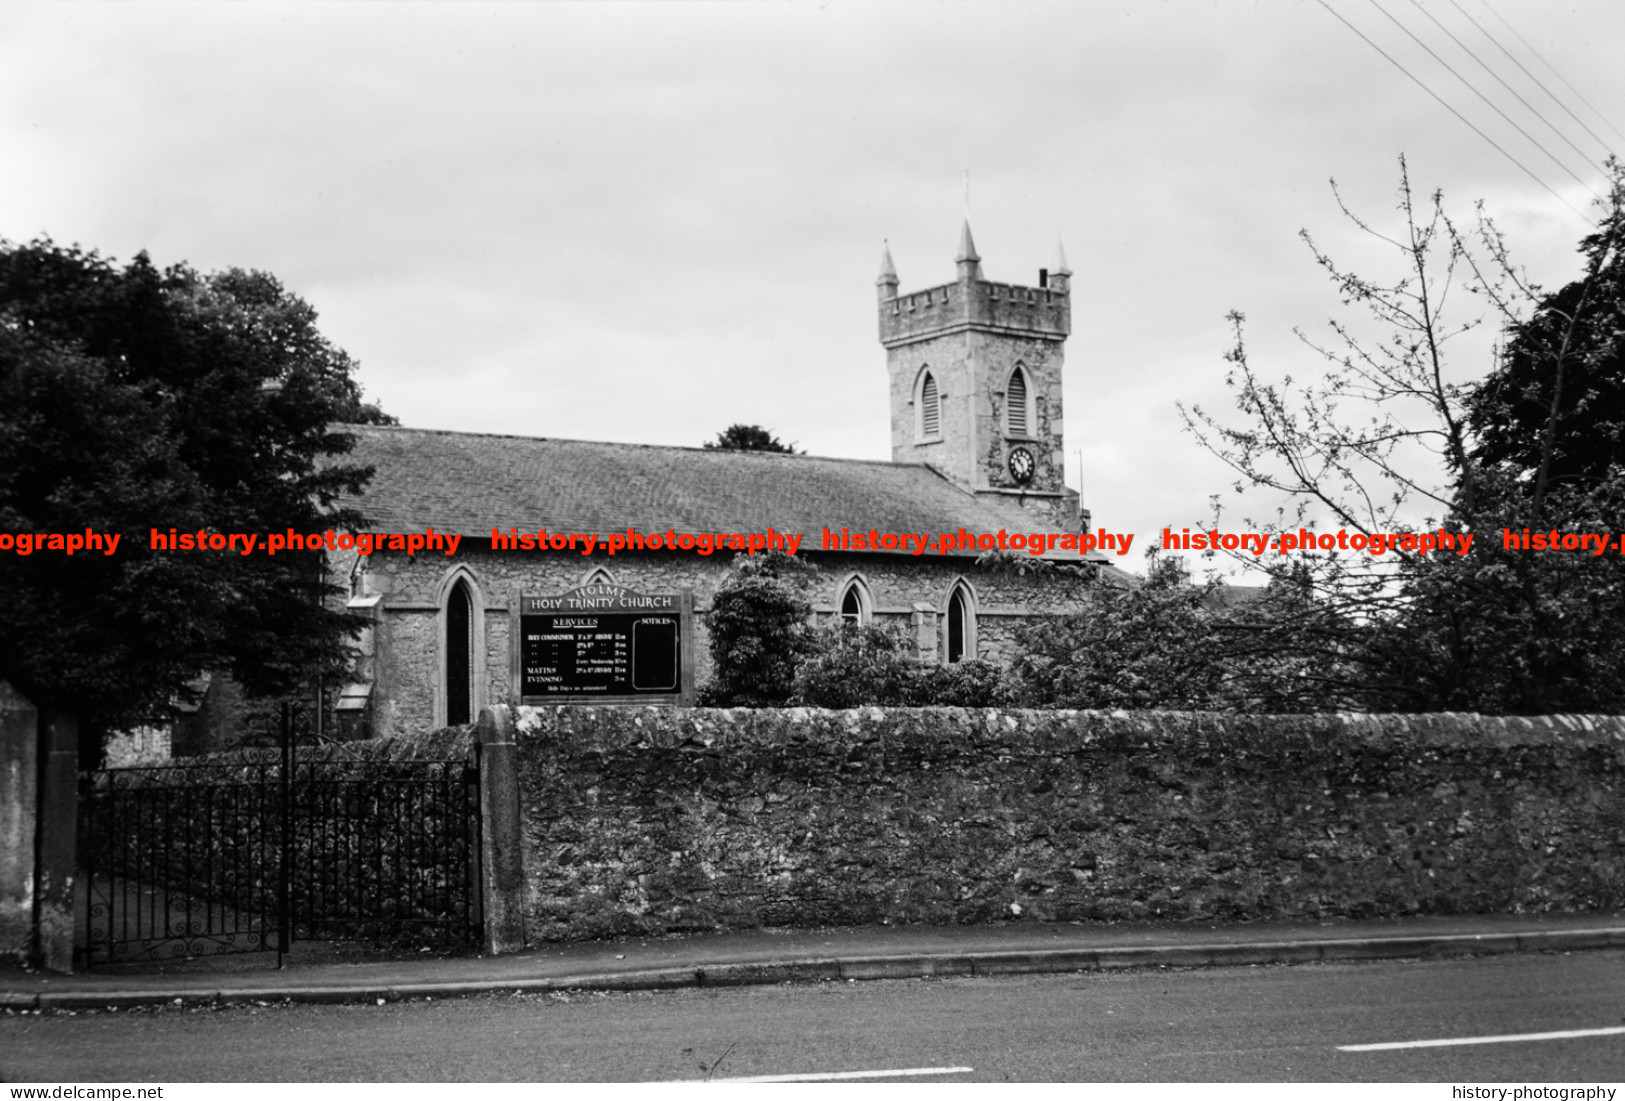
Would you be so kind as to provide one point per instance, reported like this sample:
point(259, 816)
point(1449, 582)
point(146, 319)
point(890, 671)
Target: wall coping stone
point(1064, 730)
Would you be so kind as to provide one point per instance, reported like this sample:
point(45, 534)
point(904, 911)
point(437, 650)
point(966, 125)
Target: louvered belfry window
point(1015, 396)
point(930, 413)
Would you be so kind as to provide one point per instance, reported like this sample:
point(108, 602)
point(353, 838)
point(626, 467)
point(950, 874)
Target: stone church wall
point(406, 674)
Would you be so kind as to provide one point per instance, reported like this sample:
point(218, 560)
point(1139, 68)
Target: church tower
point(976, 380)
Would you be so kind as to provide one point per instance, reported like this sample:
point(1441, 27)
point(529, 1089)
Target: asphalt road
point(1281, 1023)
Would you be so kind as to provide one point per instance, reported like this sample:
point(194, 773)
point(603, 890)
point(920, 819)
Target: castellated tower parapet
point(1043, 312)
point(975, 371)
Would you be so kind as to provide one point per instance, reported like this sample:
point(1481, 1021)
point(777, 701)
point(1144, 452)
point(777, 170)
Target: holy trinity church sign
point(602, 643)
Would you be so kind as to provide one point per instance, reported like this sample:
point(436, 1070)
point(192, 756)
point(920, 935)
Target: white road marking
point(842, 1075)
point(1513, 1039)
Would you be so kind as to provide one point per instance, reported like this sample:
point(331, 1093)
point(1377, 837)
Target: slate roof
point(468, 483)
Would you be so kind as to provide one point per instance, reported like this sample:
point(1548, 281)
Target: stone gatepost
point(19, 773)
point(502, 868)
point(56, 841)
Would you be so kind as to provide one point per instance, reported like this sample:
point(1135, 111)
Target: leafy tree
point(748, 437)
point(1510, 630)
point(134, 399)
point(873, 666)
point(1150, 646)
point(1553, 410)
point(1523, 630)
point(1391, 427)
point(854, 666)
point(975, 683)
point(759, 632)
point(1173, 643)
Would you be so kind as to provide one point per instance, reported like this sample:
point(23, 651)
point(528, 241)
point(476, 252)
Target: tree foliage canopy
point(1553, 409)
point(748, 437)
point(760, 630)
point(1174, 643)
point(132, 400)
point(853, 666)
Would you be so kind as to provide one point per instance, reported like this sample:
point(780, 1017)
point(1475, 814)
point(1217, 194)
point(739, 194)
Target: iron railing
point(259, 848)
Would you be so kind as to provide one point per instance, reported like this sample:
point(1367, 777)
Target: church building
point(976, 427)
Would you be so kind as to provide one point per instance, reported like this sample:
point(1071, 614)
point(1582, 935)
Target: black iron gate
point(254, 850)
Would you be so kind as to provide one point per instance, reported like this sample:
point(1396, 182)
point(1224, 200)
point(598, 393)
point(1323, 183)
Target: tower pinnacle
point(970, 264)
point(967, 247)
point(886, 285)
point(1061, 277)
point(888, 270)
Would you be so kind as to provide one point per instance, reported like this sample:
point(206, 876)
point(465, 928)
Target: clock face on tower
point(1022, 465)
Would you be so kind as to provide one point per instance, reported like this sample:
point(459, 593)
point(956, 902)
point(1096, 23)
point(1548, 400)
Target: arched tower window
point(1016, 400)
point(960, 625)
point(855, 605)
point(930, 407)
point(459, 655)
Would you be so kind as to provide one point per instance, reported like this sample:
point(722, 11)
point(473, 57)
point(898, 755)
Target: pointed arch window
point(459, 655)
point(930, 407)
point(854, 604)
point(1016, 410)
point(459, 663)
point(960, 625)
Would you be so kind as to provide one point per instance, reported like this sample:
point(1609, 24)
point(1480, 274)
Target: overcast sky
point(644, 222)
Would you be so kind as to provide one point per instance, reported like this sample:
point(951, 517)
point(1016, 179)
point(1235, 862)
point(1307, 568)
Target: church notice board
point(605, 644)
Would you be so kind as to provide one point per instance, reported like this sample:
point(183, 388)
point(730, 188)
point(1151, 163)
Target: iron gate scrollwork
point(255, 849)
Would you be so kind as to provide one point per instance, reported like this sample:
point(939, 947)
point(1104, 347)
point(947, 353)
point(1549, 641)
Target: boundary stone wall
point(655, 820)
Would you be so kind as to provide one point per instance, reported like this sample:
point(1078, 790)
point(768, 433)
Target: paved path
point(772, 956)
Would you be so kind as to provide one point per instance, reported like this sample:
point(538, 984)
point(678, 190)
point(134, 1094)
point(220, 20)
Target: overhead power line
point(1552, 69)
point(1538, 82)
point(1465, 121)
point(1471, 87)
point(1584, 156)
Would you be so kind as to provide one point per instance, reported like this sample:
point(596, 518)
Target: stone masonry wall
point(647, 820)
point(407, 670)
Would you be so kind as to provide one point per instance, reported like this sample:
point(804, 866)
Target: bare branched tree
point(1392, 436)
point(1383, 425)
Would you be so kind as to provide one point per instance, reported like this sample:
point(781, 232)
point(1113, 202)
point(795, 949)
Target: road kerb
point(1564, 940)
point(907, 967)
point(1269, 952)
point(920, 965)
point(1181, 955)
point(665, 978)
point(17, 1000)
point(1035, 963)
point(757, 974)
